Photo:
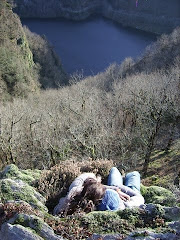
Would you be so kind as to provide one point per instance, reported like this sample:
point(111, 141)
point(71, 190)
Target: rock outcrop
point(152, 16)
point(27, 61)
point(23, 214)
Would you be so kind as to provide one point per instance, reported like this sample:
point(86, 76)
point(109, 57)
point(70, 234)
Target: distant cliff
point(152, 15)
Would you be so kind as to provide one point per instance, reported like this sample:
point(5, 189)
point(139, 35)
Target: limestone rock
point(176, 227)
point(135, 223)
point(19, 190)
point(37, 224)
point(17, 232)
point(172, 213)
point(149, 235)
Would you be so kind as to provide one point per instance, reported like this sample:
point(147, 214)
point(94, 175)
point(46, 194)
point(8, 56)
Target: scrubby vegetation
point(17, 72)
point(23, 210)
point(54, 183)
point(115, 115)
point(128, 116)
point(51, 73)
point(25, 68)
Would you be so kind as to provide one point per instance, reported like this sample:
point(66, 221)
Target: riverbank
point(151, 16)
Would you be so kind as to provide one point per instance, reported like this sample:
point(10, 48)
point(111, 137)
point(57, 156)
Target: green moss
point(124, 221)
point(158, 195)
point(32, 222)
point(155, 164)
point(18, 190)
point(160, 181)
point(28, 176)
point(21, 220)
point(38, 223)
point(107, 222)
point(132, 215)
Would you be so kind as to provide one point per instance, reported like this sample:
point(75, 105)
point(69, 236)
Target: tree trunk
point(150, 146)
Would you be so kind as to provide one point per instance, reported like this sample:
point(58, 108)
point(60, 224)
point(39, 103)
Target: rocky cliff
point(152, 16)
point(24, 57)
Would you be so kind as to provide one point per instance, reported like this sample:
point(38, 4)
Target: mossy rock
point(36, 224)
point(158, 195)
point(25, 220)
point(124, 221)
point(18, 232)
point(107, 222)
point(18, 190)
point(13, 172)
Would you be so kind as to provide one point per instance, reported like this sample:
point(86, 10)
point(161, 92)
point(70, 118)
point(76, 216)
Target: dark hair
point(87, 200)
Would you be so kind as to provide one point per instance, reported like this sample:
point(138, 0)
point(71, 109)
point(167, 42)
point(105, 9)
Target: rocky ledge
point(23, 214)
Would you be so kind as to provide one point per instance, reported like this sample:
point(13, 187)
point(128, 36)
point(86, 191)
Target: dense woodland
point(121, 114)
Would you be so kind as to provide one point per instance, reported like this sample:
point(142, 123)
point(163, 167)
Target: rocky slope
point(152, 16)
point(24, 57)
point(23, 214)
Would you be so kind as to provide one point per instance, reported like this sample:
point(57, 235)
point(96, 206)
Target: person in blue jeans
point(89, 194)
point(118, 195)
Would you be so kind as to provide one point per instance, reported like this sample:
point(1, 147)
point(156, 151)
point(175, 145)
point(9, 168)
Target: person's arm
point(78, 181)
point(124, 189)
point(123, 195)
point(65, 201)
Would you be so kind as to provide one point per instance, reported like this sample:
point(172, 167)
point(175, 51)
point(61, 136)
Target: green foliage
point(106, 222)
point(25, 64)
point(18, 75)
point(28, 175)
point(124, 221)
point(158, 195)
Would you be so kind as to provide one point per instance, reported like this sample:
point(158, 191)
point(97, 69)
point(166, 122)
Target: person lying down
point(88, 193)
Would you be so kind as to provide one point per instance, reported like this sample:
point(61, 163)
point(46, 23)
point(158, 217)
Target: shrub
point(54, 183)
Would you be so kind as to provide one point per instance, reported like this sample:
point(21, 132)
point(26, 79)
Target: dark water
point(91, 45)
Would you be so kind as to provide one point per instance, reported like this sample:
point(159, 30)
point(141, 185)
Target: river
point(91, 45)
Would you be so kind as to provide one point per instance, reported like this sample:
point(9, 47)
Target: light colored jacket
point(75, 188)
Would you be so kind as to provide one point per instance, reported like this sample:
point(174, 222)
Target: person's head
point(93, 190)
point(89, 181)
point(90, 196)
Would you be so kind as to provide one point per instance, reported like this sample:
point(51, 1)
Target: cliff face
point(27, 61)
point(17, 69)
point(71, 9)
point(152, 16)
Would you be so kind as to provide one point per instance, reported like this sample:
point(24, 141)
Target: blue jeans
point(131, 180)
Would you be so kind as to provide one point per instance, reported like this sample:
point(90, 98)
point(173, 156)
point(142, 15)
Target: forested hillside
point(18, 74)
point(160, 16)
point(22, 62)
point(122, 114)
point(54, 127)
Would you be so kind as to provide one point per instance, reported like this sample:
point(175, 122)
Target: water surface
point(91, 45)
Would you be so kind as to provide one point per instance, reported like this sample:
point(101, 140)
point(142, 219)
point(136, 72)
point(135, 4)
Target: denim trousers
point(132, 179)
